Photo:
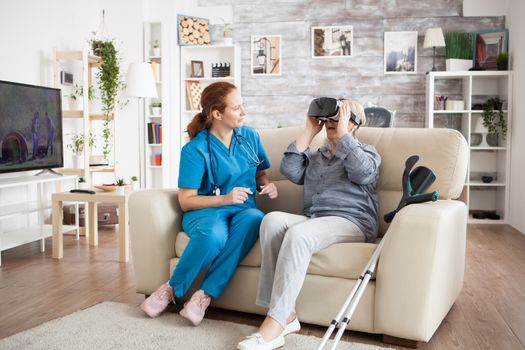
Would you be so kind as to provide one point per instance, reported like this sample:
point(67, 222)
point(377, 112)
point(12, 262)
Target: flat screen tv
point(30, 127)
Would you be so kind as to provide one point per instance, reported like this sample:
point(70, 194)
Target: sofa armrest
point(421, 269)
point(154, 222)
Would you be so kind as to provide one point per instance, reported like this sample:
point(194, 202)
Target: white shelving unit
point(208, 55)
point(155, 148)
point(474, 88)
point(10, 238)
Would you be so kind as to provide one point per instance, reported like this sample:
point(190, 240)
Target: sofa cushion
point(344, 260)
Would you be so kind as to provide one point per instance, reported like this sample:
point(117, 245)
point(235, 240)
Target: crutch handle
point(420, 198)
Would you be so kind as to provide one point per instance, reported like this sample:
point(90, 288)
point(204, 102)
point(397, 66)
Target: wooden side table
point(91, 225)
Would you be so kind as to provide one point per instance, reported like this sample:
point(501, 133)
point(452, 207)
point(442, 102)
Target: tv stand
point(48, 171)
point(37, 201)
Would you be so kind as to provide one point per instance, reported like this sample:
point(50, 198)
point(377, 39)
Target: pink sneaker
point(194, 309)
point(158, 301)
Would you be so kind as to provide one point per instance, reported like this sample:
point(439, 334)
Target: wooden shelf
point(77, 55)
point(79, 114)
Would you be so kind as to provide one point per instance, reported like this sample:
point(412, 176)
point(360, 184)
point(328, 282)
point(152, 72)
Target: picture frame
point(332, 41)
point(265, 55)
point(193, 31)
point(400, 52)
point(197, 69)
point(193, 93)
point(487, 45)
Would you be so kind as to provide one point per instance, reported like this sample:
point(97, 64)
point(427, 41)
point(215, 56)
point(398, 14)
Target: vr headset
point(327, 108)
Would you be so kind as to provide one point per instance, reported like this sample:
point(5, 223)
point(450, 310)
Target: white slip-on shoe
point(257, 342)
point(292, 327)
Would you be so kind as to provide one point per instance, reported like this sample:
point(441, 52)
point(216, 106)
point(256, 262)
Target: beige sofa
point(420, 272)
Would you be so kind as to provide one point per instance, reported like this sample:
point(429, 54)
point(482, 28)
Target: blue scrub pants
point(221, 237)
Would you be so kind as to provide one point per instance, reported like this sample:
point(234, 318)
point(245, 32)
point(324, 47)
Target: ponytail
point(199, 122)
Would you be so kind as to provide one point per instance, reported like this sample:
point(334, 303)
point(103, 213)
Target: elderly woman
point(340, 205)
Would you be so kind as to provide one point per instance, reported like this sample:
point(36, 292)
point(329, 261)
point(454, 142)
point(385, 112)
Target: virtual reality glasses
point(327, 108)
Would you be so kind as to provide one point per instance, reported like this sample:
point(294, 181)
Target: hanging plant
point(110, 83)
point(494, 118)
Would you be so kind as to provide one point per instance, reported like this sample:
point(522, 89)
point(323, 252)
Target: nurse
point(220, 170)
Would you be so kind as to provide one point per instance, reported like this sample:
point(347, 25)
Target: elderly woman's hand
point(344, 117)
point(314, 125)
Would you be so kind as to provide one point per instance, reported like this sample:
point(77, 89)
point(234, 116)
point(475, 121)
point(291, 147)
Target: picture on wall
point(332, 41)
point(400, 53)
point(193, 30)
point(487, 45)
point(266, 55)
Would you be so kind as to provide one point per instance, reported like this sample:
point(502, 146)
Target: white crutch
point(352, 300)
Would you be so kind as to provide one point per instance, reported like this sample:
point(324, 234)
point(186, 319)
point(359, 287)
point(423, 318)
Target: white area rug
point(121, 326)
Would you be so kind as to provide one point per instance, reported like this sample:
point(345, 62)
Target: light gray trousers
point(288, 242)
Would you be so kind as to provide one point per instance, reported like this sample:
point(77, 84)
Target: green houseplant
point(110, 82)
point(76, 96)
point(494, 119)
point(502, 61)
point(458, 51)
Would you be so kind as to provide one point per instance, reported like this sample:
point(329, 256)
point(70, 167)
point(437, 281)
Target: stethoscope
point(252, 155)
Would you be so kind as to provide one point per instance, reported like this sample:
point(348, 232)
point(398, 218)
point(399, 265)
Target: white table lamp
point(434, 38)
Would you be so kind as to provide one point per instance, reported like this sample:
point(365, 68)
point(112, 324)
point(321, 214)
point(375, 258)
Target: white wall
point(32, 28)
point(516, 25)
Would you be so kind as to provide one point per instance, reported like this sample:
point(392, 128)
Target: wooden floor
point(489, 313)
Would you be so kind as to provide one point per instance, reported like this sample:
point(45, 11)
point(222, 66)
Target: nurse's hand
point(269, 189)
point(238, 195)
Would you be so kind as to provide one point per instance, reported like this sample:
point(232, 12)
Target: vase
point(136, 185)
point(121, 189)
point(493, 139)
point(74, 104)
point(156, 51)
point(228, 41)
point(454, 64)
point(504, 65)
point(78, 161)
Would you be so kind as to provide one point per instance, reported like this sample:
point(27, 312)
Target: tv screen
point(30, 127)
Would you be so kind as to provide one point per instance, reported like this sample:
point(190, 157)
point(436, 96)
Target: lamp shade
point(139, 81)
point(434, 38)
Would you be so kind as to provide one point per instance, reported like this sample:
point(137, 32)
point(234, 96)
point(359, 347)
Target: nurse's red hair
point(213, 98)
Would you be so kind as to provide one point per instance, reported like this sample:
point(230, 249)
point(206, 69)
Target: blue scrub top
point(234, 167)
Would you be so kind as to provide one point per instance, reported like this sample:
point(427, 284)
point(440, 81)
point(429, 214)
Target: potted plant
point(110, 82)
point(120, 186)
point(77, 147)
point(156, 108)
point(82, 183)
point(156, 48)
point(495, 120)
point(502, 61)
point(75, 97)
point(458, 51)
point(135, 182)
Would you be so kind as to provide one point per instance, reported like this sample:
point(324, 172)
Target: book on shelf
point(154, 133)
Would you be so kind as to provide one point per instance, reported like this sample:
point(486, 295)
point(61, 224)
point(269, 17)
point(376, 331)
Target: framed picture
point(332, 41)
point(400, 56)
point(487, 45)
point(265, 55)
point(197, 69)
point(194, 91)
point(193, 30)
